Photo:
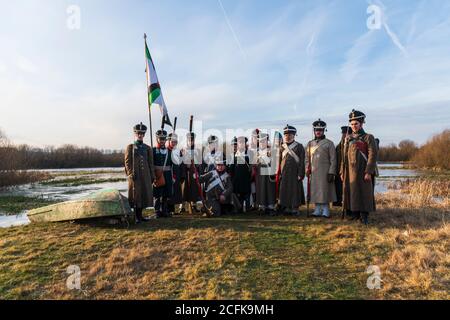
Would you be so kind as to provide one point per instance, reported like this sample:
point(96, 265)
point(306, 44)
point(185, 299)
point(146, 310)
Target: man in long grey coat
point(321, 170)
point(140, 171)
point(292, 194)
point(358, 169)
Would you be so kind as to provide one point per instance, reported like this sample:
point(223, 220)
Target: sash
point(288, 150)
point(312, 150)
point(216, 180)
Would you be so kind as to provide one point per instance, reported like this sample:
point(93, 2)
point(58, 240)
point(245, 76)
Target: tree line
point(433, 154)
point(23, 157)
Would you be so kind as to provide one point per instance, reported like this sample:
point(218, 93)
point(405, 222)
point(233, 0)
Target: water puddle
point(14, 220)
point(389, 173)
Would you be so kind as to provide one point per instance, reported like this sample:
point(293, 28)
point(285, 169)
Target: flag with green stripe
point(154, 89)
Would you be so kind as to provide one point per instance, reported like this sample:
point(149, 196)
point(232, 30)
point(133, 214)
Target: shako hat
point(161, 134)
point(319, 124)
point(140, 128)
point(344, 129)
point(212, 139)
point(356, 115)
point(289, 129)
point(173, 136)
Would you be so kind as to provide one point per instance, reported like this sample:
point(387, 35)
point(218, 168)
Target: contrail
point(232, 30)
point(394, 38)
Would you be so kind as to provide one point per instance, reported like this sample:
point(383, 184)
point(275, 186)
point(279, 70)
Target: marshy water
point(71, 184)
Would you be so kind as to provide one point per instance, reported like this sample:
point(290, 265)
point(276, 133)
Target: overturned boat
point(104, 203)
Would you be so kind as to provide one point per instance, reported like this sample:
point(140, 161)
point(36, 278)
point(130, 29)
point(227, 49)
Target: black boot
point(356, 215)
point(165, 208)
point(139, 217)
point(158, 204)
point(365, 218)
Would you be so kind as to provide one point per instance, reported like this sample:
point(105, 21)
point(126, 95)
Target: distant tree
point(435, 154)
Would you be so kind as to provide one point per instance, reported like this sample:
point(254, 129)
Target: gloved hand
point(330, 178)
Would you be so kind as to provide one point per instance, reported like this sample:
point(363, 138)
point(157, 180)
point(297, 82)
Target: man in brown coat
point(358, 169)
point(140, 171)
point(292, 194)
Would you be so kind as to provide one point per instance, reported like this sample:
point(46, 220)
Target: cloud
point(26, 65)
point(304, 60)
point(355, 57)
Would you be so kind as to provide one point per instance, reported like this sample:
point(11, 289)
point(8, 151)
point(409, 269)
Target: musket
point(278, 164)
point(256, 167)
point(162, 122)
point(174, 124)
point(344, 171)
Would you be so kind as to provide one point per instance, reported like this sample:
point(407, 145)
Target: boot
point(316, 212)
point(139, 217)
point(158, 210)
point(326, 210)
point(365, 218)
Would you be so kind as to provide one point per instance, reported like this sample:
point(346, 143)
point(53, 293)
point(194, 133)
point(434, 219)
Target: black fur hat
point(140, 128)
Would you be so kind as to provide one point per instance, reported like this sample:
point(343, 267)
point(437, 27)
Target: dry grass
point(239, 257)
point(14, 178)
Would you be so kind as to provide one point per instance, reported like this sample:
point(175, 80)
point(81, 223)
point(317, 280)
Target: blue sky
point(233, 64)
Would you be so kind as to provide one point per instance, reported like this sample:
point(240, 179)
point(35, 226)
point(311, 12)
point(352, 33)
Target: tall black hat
point(289, 129)
point(140, 128)
point(234, 141)
point(212, 139)
point(356, 115)
point(319, 124)
point(345, 129)
point(242, 138)
point(173, 136)
point(161, 134)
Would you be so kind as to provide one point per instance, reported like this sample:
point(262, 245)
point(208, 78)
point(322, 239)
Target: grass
point(237, 257)
point(79, 181)
point(17, 204)
point(85, 172)
point(13, 178)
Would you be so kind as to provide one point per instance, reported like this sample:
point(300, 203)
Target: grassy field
point(80, 181)
point(236, 257)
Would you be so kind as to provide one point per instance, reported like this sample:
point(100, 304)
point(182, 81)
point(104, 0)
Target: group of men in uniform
point(258, 175)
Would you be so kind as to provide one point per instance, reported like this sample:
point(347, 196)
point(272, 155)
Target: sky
point(232, 64)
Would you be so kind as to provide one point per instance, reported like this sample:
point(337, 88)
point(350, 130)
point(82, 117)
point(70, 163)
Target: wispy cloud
point(304, 60)
point(392, 35)
point(244, 54)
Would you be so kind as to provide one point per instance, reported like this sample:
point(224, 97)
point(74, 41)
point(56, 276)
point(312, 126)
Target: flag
point(154, 89)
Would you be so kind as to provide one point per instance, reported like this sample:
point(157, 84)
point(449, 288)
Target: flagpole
point(148, 102)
